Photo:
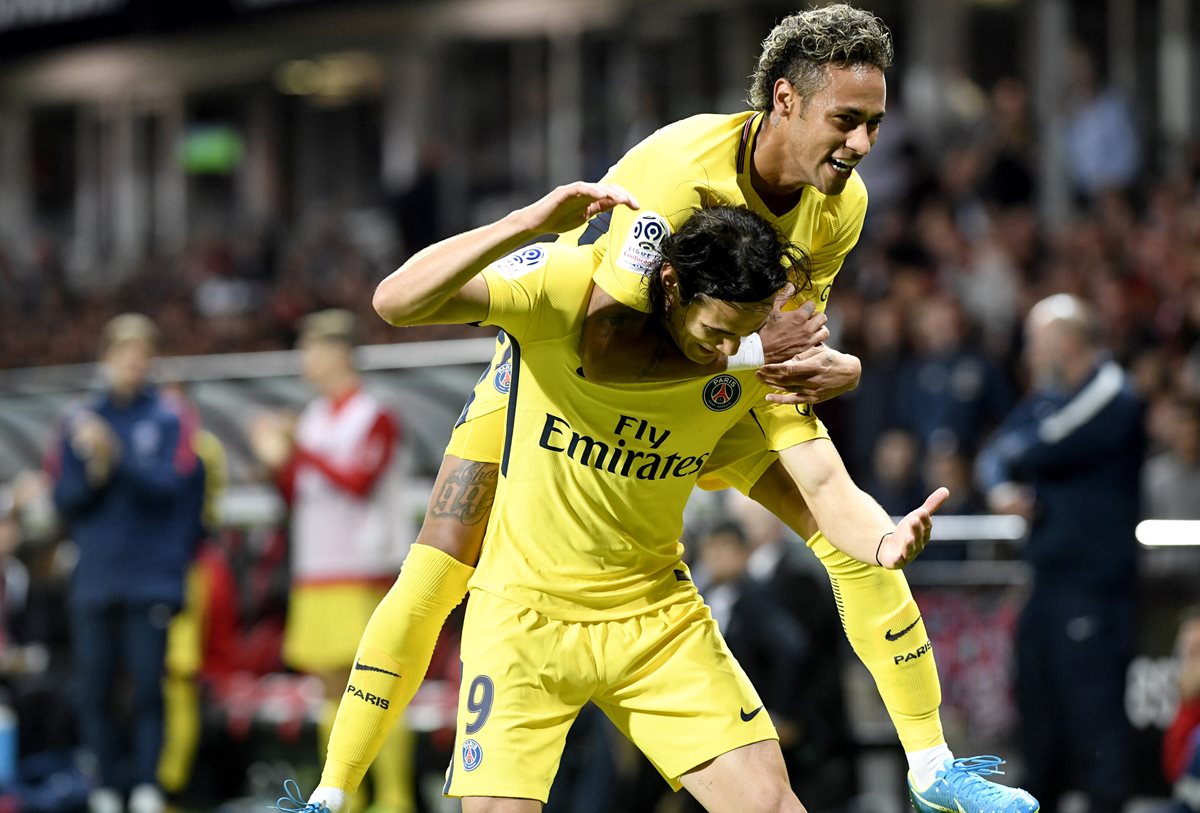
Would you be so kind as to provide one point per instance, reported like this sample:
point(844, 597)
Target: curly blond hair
point(801, 45)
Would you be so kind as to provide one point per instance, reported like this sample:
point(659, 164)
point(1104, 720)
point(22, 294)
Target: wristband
point(879, 547)
point(749, 355)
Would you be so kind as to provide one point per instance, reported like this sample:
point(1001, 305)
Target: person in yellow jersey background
point(186, 635)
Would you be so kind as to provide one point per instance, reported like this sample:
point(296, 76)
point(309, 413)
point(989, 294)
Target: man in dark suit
point(821, 764)
point(771, 638)
point(1069, 458)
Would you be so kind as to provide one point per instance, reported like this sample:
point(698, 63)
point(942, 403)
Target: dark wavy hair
point(727, 253)
point(802, 45)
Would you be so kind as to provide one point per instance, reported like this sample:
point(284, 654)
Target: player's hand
point(572, 205)
point(813, 376)
point(789, 333)
point(911, 536)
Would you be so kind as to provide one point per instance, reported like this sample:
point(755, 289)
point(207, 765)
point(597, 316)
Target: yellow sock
point(355, 803)
point(883, 623)
point(392, 772)
point(325, 723)
point(181, 732)
point(392, 658)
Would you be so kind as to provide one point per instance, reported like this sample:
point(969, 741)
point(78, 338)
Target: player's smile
point(844, 166)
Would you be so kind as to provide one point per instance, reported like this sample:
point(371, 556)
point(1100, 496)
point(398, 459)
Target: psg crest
point(722, 392)
point(502, 380)
point(472, 755)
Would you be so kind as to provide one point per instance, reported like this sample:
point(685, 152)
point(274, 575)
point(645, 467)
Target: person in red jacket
point(1181, 745)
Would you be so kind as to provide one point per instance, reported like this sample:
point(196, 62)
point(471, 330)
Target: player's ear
point(670, 283)
point(783, 100)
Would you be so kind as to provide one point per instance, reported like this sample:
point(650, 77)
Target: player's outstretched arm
point(851, 519)
point(439, 284)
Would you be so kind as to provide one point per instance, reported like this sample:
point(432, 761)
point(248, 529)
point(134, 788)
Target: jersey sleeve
point(516, 286)
point(787, 425)
point(633, 237)
point(539, 291)
point(843, 226)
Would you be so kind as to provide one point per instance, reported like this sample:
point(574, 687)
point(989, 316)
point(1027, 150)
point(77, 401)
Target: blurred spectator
point(1101, 141)
point(948, 392)
point(128, 483)
point(768, 643)
point(1181, 744)
point(36, 668)
point(946, 466)
point(821, 759)
point(341, 468)
point(1076, 443)
point(188, 632)
point(1171, 479)
point(15, 658)
point(895, 474)
point(872, 403)
point(417, 208)
point(1007, 142)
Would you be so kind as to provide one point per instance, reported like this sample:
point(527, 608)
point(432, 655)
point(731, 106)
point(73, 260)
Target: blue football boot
point(961, 788)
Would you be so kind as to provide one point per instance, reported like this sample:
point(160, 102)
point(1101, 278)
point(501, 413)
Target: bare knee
point(775, 796)
point(749, 779)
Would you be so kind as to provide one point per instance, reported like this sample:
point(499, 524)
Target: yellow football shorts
point(325, 623)
point(740, 458)
point(665, 678)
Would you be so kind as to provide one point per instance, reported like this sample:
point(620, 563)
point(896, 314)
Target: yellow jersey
point(700, 161)
point(594, 477)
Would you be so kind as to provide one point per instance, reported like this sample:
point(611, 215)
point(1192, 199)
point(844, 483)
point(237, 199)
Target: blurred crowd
point(221, 296)
point(955, 254)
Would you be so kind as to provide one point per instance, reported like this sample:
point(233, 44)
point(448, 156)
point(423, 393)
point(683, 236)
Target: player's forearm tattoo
point(467, 494)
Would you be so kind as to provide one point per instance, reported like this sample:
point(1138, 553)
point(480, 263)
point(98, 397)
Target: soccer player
point(819, 96)
point(581, 593)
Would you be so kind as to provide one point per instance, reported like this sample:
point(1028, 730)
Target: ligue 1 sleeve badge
point(721, 392)
point(472, 755)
